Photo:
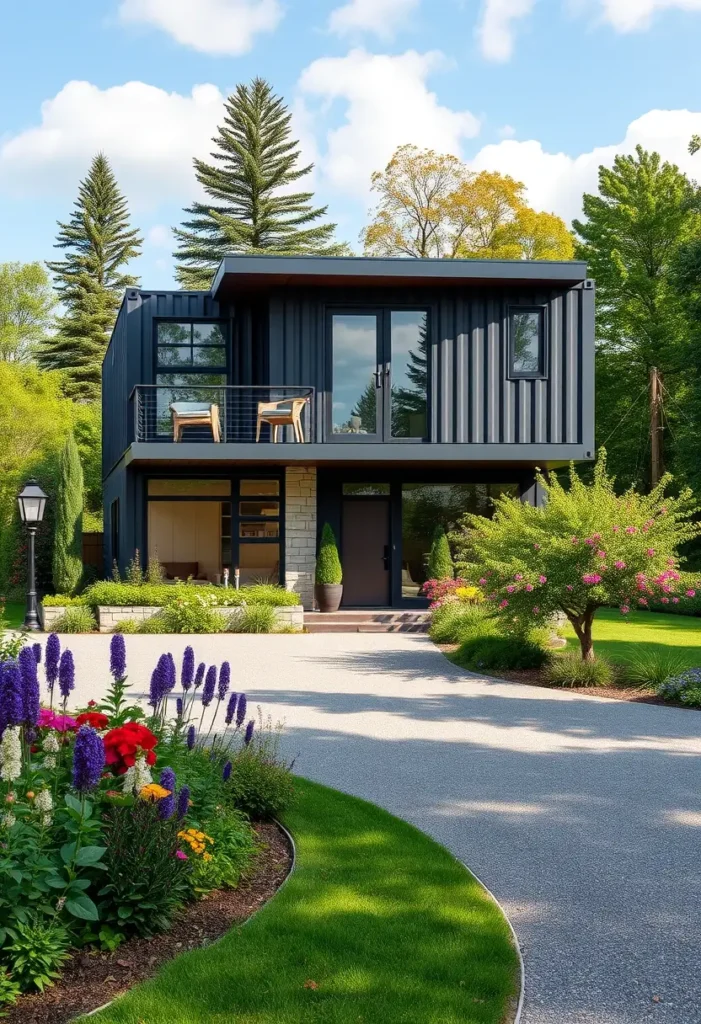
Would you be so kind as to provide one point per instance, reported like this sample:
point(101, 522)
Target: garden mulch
point(92, 978)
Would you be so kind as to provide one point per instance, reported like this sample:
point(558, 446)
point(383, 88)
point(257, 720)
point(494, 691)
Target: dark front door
point(365, 554)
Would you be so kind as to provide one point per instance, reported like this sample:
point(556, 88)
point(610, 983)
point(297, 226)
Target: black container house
point(383, 396)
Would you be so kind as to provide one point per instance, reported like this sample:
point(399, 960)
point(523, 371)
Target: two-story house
point(383, 396)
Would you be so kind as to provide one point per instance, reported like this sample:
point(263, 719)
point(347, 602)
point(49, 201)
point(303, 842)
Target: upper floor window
point(191, 346)
point(527, 354)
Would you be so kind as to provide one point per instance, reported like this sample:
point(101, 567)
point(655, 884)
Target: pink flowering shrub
point(541, 561)
point(440, 591)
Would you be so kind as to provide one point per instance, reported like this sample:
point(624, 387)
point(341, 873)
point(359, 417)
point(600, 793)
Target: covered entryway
point(365, 552)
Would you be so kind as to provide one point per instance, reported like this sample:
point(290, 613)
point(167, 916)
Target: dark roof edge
point(400, 267)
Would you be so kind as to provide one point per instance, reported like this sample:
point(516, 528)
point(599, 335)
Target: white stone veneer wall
point(300, 532)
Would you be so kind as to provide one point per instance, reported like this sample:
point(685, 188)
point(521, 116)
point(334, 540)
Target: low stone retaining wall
point(109, 615)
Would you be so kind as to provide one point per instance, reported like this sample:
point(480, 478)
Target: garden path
point(582, 814)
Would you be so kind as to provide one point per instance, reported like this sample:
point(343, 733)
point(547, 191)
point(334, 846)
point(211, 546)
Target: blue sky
point(545, 90)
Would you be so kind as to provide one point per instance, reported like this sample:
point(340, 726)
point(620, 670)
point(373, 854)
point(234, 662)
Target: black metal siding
point(471, 399)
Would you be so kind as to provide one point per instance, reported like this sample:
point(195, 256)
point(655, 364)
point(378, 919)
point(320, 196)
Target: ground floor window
point(425, 506)
point(197, 528)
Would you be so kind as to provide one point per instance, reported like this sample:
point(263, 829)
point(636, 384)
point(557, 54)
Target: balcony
point(206, 414)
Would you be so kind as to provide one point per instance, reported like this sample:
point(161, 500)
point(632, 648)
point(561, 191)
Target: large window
point(356, 377)
point(191, 366)
point(409, 368)
point(425, 506)
point(527, 352)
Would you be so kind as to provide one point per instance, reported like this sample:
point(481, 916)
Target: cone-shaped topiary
point(328, 564)
point(68, 535)
point(440, 562)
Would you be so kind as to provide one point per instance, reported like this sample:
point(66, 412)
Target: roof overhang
point(246, 274)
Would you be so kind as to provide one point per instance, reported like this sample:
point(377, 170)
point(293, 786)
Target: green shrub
point(261, 783)
point(63, 601)
point(9, 990)
point(328, 564)
point(494, 653)
point(157, 595)
point(127, 626)
point(440, 561)
point(651, 668)
point(191, 613)
point(232, 850)
point(692, 697)
point(10, 644)
point(153, 625)
point(453, 622)
point(75, 619)
point(38, 951)
point(253, 618)
point(258, 593)
point(569, 669)
point(67, 566)
point(145, 881)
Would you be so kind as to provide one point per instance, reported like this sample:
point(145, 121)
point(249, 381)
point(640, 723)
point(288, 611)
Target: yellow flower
point(469, 595)
point(206, 856)
point(153, 792)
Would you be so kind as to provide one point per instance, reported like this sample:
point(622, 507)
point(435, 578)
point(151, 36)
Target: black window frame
point(544, 344)
point(159, 368)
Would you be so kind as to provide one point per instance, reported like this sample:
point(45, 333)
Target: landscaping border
point(109, 615)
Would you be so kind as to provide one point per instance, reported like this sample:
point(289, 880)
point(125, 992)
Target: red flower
point(125, 743)
point(94, 718)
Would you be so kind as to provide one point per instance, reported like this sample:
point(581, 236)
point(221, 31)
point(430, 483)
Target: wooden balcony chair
point(195, 414)
point(285, 412)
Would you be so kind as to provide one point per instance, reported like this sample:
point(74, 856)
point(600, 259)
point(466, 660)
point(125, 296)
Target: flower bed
point(113, 819)
point(108, 617)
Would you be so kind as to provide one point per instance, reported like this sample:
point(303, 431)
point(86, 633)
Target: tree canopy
point(27, 306)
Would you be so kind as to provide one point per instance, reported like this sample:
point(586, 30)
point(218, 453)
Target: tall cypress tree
point(90, 279)
point(68, 535)
point(253, 209)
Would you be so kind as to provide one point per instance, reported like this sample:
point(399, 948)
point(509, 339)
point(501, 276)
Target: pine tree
point(90, 279)
point(409, 404)
point(253, 210)
point(68, 536)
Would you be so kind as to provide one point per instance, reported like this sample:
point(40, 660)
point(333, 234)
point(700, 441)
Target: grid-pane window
point(191, 366)
point(527, 342)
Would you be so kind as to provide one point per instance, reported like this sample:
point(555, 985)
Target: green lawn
point(14, 614)
point(621, 637)
point(385, 922)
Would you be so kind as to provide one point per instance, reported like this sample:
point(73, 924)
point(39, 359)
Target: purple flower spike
point(30, 685)
point(199, 674)
point(209, 686)
point(224, 680)
point(66, 674)
point(179, 707)
point(159, 681)
point(187, 673)
point(231, 708)
point(118, 657)
point(248, 735)
point(88, 759)
point(37, 652)
point(11, 696)
point(241, 710)
point(183, 802)
point(191, 737)
point(226, 771)
point(51, 658)
point(171, 674)
point(166, 806)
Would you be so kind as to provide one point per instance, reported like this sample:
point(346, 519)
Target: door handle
point(378, 378)
point(385, 556)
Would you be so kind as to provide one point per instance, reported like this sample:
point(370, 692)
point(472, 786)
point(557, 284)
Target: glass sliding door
point(356, 388)
point(408, 357)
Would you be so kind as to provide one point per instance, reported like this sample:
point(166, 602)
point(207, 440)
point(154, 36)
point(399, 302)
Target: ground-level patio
point(583, 815)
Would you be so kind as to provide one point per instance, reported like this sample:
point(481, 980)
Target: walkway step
point(364, 621)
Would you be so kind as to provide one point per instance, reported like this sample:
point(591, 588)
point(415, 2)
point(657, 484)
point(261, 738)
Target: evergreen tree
point(68, 537)
point(252, 208)
point(90, 279)
point(409, 404)
point(440, 561)
point(328, 564)
point(366, 408)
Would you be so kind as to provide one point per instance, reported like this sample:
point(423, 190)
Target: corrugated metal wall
point(471, 398)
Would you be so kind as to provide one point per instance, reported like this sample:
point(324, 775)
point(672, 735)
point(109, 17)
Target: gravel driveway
point(583, 815)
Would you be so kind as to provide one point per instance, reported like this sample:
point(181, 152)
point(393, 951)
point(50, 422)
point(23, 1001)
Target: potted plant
point(329, 574)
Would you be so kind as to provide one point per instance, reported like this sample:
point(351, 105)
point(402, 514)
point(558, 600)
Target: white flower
point(8, 819)
point(10, 754)
point(49, 761)
point(137, 777)
point(44, 804)
point(50, 744)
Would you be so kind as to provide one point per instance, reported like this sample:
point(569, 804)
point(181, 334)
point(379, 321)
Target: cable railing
point(215, 414)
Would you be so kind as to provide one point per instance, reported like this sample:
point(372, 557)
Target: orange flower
point(153, 792)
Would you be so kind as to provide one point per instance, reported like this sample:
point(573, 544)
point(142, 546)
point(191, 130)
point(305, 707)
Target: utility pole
point(655, 426)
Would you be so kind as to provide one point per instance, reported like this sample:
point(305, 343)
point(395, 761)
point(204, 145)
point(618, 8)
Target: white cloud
point(506, 131)
point(495, 30)
point(556, 181)
point(383, 17)
point(632, 15)
point(210, 26)
point(159, 236)
point(387, 103)
point(149, 135)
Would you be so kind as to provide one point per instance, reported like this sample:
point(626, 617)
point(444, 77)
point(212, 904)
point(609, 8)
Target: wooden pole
point(655, 426)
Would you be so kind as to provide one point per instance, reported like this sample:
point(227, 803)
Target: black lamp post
point(32, 501)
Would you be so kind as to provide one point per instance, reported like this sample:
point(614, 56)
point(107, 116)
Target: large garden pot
point(328, 596)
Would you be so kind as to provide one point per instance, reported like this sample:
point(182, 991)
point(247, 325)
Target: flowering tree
point(586, 548)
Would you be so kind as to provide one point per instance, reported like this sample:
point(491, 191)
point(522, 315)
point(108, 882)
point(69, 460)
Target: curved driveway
point(583, 815)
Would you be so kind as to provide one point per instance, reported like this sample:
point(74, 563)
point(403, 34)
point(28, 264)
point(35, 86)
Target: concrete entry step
point(362, 621)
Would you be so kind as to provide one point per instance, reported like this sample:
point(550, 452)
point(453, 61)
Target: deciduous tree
point(27, 305)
